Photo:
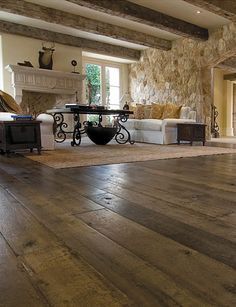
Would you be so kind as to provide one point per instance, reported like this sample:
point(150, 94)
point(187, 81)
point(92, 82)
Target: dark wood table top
point(90, 111)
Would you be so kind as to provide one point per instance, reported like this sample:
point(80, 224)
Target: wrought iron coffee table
point(122, 135)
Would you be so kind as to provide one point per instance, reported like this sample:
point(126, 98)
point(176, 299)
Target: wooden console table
point(192, 132)
point(20, 134)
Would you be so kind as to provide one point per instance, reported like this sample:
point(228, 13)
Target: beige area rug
point(88, 154)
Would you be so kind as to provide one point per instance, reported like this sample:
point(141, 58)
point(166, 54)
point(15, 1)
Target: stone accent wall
point(183, 74)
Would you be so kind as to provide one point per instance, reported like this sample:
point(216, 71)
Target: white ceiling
point(175, 8)
point(185, 11)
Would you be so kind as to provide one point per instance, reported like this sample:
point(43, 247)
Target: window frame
point(103, 64)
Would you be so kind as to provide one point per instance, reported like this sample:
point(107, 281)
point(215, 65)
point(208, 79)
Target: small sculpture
point(45, 56)
point(74, 64)
point(26, 63)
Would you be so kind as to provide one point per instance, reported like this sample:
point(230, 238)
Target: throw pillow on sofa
point(147, 111)
point(132, 108)
point(171, 111)
point(156, 111)
point(184, 112)
point(8, 104)
point(139, 111)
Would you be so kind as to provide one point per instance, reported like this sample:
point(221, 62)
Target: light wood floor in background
point(156, 233)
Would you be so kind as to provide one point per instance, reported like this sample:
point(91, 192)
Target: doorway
point(224, 102)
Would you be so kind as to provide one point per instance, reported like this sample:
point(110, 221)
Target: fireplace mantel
point(43, 81)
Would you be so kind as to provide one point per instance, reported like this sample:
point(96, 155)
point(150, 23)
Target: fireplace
point(37, 90)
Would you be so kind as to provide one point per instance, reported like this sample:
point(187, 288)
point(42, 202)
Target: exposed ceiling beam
point(226, 68)
point(85, 44)
point(54, 16)
point(141, 14)
point(230, 77)
point(224, 8)
point(229, 64)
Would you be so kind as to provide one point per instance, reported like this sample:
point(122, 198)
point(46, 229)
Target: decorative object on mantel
point(26, 63)
point(45, 56)
point(74, 64)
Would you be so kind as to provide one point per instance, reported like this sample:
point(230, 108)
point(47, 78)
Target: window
point(103, 86)
point(93, 84)
point(112, 87)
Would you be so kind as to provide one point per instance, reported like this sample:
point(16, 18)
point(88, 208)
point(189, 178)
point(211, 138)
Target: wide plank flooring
point(154, 233)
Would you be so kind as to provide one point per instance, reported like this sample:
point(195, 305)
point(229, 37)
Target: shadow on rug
point(88, 154)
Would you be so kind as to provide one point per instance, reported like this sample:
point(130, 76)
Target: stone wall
point(36, 103)
point(183, 74)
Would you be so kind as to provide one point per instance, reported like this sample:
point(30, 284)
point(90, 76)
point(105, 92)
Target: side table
point(192, 132)
point(20, 134)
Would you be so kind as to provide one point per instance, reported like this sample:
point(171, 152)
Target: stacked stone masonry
point(183, 74)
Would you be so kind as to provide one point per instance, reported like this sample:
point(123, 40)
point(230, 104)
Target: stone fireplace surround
point(37, 90)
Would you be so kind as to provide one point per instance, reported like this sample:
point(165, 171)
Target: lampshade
point(126, 98)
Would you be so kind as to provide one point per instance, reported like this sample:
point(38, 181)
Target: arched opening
point(224, 99)
point(219, 96)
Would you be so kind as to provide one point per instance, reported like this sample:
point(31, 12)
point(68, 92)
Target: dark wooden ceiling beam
point(54, 16)
point(226, 68)
point(230, 77)
point(141, 14)
point(85, 44)
point(228, 65)
point(223, 8)
point(230, 62)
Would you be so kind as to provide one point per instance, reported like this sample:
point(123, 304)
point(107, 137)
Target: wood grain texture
point(230, 77)
point(138, 234)
point(68, 40)
point(73, 21)
point(144, 15)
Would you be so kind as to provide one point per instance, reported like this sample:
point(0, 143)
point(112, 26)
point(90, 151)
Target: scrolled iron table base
point(122, 135)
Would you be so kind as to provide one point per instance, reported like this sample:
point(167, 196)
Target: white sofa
point(158, 131)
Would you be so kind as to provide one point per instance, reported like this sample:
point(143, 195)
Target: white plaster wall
point(229, 109)
point(220, 99)
point(1, 65)
point(18, 49)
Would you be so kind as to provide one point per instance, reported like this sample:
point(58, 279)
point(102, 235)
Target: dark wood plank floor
point(156, 233)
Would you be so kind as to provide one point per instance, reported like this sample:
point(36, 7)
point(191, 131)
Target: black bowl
point(100, 135)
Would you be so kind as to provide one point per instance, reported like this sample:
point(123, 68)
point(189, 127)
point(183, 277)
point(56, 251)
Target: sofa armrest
point(47, 133)
point(172, 122)
point(5, 116)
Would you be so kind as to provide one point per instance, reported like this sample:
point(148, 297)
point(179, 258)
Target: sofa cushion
point(132, 108)
point(147, 111)
point(184, 112)
point(172, 122)
point(139, 111)
point(148, 124)
point(130, 124)
point(156, 111)
point(171, 111)
point(192, 115)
